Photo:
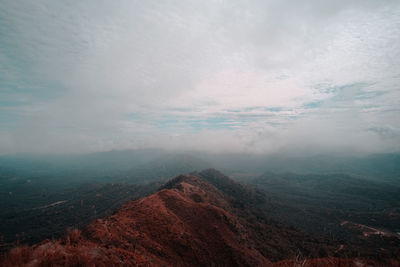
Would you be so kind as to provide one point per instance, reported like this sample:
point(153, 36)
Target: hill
point(188, 222)
point(199, 219)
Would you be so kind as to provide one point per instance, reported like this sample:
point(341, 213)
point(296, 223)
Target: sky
point(262, 76)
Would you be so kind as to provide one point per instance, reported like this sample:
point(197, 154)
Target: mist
point(260, 77)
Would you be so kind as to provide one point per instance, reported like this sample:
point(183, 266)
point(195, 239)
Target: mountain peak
point(183, 178)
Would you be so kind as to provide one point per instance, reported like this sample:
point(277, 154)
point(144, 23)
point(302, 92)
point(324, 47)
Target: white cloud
point(81, 69)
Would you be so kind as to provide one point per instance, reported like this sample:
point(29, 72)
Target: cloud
point(215, 75)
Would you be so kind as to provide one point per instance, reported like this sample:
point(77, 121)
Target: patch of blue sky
point(274, 109)
point(369, 105)
point(178, 123)
point(314, 104)
point(251, 108)
point(356, 85)
point(370, 94)
point(329, 88)
point(195, 125)
point(190, 123)
point(233, 110)
point(247, 109)
point(135, 116)
point(223, 123)
point(166, 124)
point(293, 117)
point(214, 123)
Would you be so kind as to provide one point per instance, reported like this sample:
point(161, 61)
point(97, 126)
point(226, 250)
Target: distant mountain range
point(139, 165)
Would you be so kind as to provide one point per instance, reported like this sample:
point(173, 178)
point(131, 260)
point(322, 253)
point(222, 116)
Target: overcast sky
point(221, 76)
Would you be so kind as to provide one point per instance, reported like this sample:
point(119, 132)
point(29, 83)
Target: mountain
point(198, 219)
point(188, 222)
point(379, 167)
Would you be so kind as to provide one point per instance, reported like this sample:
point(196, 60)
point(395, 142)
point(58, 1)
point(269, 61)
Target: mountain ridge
point(189, 221)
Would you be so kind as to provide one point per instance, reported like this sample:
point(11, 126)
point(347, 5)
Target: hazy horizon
point(260, 77)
